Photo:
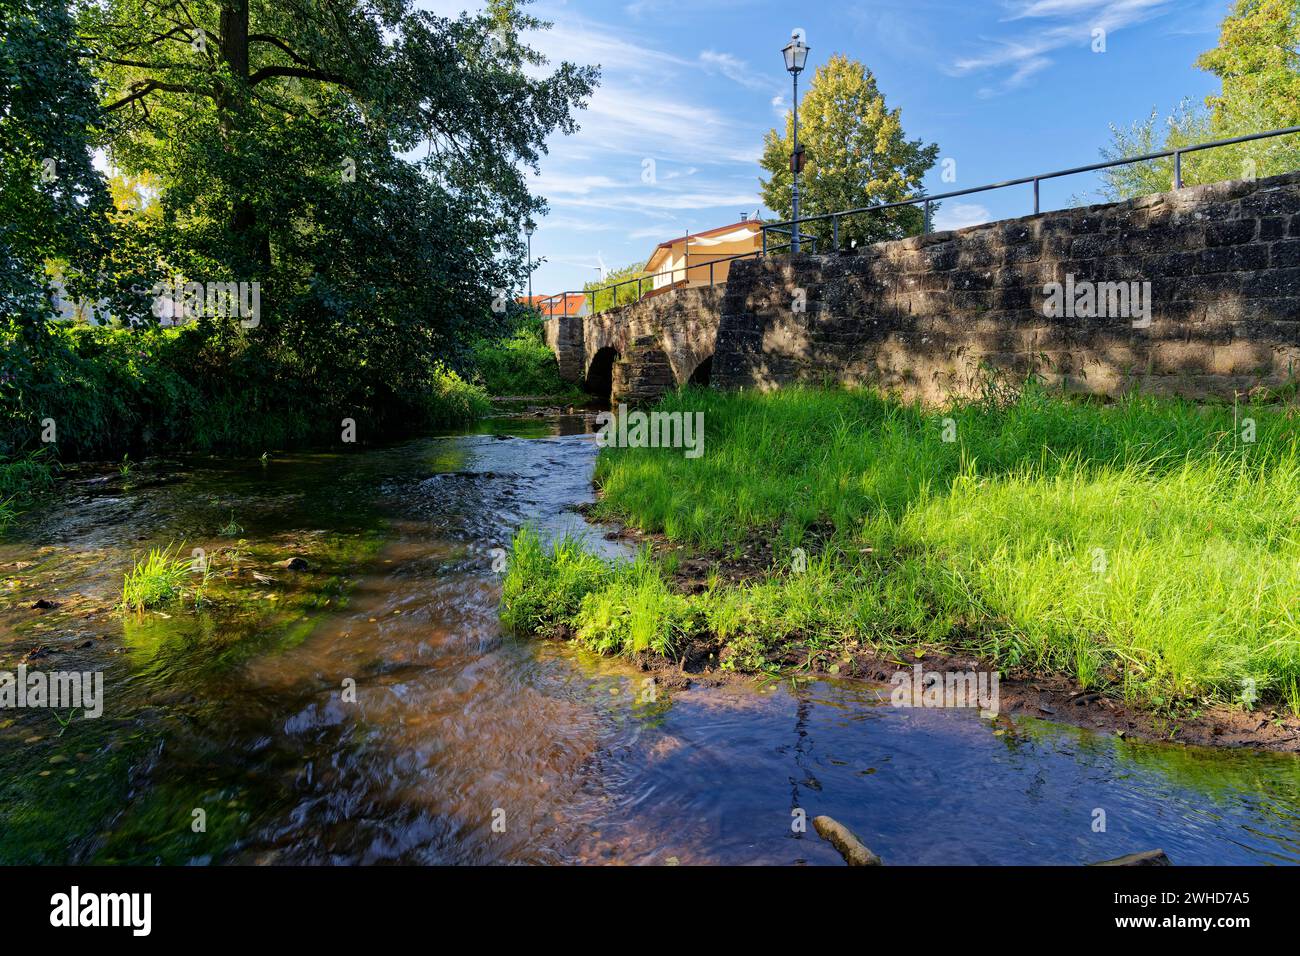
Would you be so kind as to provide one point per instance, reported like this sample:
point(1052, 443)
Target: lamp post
point(796, 54)
point(528, 231)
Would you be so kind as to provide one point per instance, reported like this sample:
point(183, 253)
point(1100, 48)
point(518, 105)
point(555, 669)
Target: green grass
point(1141, 545)
point(22, 482)
point(156, 580)
point(521, 364)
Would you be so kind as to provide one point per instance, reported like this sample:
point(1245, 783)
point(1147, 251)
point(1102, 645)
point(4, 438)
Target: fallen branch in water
point(853, 850)
point(1145, 858)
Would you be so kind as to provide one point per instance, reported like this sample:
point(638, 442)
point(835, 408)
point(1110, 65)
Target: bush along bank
point(1145, 551)
point(521, 364)
point(88, 392)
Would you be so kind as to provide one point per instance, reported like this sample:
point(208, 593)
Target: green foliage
point(520, 364)
point(1258, 63)
point(157, 579)
point(608, 297)
point(22, 481)
point(111, 391)
point(1051, 534)
point(625, 608)
point(1259, 69)
point(255, 142)
point(279, 146)
point(545, 587)
point(856, 155)
point(52, 201)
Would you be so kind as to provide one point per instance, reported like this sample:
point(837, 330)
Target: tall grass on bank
point(1144, 544)
point(22, 481)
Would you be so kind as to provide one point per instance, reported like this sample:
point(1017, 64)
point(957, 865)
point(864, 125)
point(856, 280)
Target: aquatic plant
point(232, 528)
point(157, 579)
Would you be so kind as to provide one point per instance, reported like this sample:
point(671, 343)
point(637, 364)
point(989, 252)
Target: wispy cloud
point(1056, 24)
point(734, 69)
point(651, 200)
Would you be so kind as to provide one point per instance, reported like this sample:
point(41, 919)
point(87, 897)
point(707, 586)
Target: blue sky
point(1007, 88)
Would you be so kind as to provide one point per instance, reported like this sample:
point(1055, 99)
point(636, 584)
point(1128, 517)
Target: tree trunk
point(254, 242)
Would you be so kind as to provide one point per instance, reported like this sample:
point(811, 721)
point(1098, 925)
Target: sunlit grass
point(1145, 545)
point(156, 580)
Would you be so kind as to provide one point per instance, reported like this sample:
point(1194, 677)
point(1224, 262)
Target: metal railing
point(787, 228)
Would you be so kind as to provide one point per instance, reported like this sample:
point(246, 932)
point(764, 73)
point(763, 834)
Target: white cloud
point(648, 200)
point(552, 183)
point(960, 215)
point(650, 232)
point(575, 224)
point(649, 125)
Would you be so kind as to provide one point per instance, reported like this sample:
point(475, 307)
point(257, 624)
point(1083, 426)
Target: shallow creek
point(238, 708)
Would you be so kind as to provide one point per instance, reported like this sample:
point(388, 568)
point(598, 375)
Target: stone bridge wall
point(924, 316)
point(928, 317)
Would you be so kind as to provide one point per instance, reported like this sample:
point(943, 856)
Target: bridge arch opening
point(703, 372)
point(600, 374)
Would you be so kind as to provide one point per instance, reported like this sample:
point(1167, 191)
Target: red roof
point(569, 303)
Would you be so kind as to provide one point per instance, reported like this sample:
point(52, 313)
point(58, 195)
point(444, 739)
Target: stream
point(370, 709)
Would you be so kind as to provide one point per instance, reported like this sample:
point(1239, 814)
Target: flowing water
point(370, 709)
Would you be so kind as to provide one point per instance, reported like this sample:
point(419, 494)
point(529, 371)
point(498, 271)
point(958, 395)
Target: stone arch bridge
point(637, 352)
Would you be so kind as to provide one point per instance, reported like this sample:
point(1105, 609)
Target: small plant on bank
point(156, 580)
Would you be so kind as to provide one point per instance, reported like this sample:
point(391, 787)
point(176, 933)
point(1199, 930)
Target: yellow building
point(684, 261)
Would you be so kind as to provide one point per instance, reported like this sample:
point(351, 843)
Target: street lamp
point(796, 54)
point(528, 231)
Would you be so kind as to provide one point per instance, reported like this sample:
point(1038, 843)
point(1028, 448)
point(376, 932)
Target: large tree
point(1258, 66)
point(363, 160)
point(856, 155)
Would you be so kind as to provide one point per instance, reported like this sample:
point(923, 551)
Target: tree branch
point(282, 45)
point(304, 73)
point(143, 88)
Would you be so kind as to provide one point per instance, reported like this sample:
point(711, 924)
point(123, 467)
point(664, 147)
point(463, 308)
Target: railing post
point(1178, 169)
point(1035, 197)
point(835, 233)
point(764, 231)
point(925, 228)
